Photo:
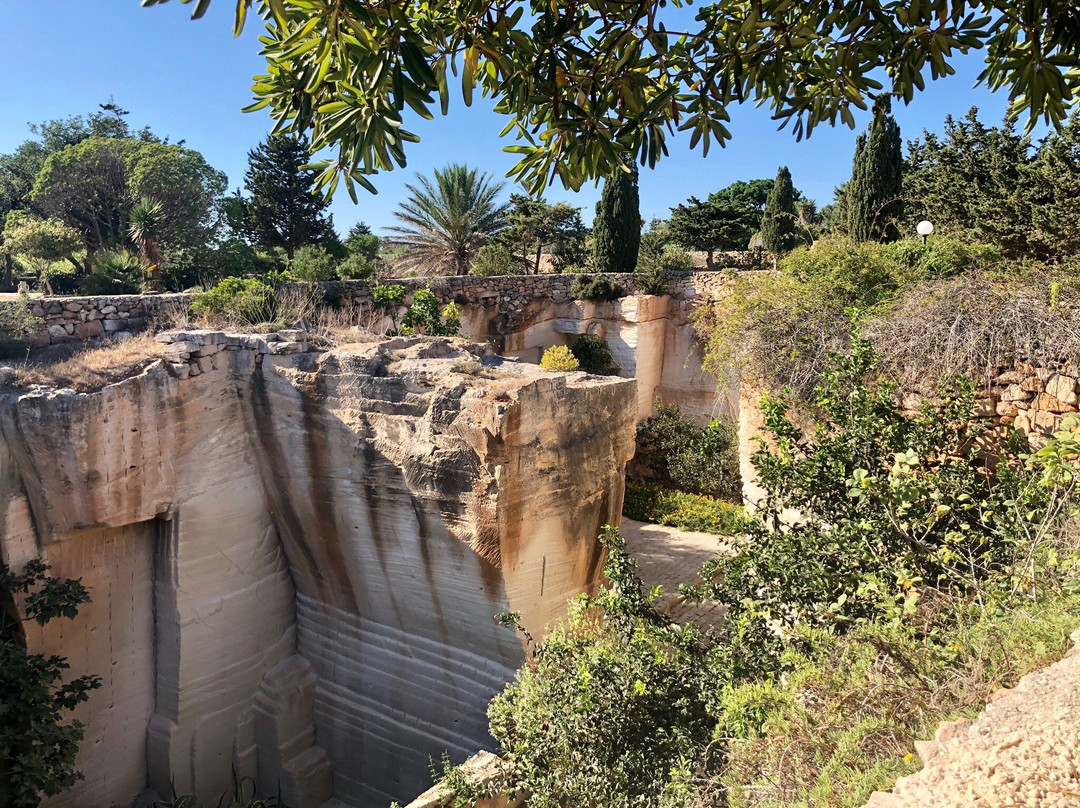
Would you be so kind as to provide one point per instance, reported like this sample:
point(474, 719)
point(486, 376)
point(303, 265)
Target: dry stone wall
point(295, 554)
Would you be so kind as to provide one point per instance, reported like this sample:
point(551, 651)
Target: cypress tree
point(617, 227)
point(874, 199)
point(780, 228)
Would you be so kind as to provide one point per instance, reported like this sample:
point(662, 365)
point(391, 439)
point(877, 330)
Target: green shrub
point(681, 455)
point(313, 264)
point(558, 357)
point(494, 259)
point(242, 300)
point(663, 506)
point(594, 355)
point(16, 323)
point(357, 266)
point(60, 278)
point(387, 296)
point(613, 707)
point(595, 288)
point(425, 317)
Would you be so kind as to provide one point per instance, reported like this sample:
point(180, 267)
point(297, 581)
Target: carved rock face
point(295, 556)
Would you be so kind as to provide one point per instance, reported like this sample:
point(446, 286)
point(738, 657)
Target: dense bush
point(595, 288)
point(594, 355)
point(663, 506)
point(242, 300)
point(425, 317)
point(779, 328)
point(357, 266)
point(677, 453)
point(495, 259)
point(558, 357)
point(313, 264)
point(613, 707)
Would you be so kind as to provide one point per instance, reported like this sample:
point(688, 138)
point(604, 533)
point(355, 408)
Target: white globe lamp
point(924, 229)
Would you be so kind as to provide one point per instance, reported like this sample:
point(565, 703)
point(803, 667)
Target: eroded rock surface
point(295, 554)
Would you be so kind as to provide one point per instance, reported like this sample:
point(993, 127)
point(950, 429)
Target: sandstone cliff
point(295, 555)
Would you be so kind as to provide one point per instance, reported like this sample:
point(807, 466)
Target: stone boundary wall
point(73, 319)
point(1034, 400)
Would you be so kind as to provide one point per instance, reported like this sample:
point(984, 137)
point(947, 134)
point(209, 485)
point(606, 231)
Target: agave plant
point(145, 224)
point(447, 220)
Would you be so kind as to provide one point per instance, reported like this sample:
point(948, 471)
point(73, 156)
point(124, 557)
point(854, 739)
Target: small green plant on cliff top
point(37, 750)
point(424, 316)
point(16, 322)
point(558, 357)
point(663, 506)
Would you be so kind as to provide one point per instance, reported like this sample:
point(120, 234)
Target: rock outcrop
point(295, 555)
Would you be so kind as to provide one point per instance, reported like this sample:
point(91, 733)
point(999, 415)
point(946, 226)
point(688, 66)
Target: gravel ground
point(1022, 750)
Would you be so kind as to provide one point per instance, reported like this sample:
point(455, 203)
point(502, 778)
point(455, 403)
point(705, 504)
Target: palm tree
point(145, 223)
point(446, 222)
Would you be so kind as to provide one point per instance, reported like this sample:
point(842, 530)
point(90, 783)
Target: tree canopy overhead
point(584, 84)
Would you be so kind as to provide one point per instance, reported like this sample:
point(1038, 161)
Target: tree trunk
point(708, 259)
point(7, 280)
point(536, 265)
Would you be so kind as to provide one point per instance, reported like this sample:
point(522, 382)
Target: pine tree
point(874, 195)
point(617, 227)
point(780, 227)
point(284, 209)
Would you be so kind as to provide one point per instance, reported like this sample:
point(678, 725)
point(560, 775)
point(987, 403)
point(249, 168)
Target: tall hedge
point(874, 195)
point(617, 227)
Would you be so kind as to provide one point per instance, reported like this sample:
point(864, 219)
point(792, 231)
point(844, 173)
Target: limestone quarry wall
point(294, 555)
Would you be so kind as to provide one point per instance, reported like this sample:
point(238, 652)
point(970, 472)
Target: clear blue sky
point(189, 80)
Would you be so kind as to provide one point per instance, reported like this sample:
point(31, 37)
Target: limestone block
point(1014, 392)
point(91, 328)
point(1062, 388)
point(115, 325)
point(1032, 384)
point(1047, 402)
point(1006, 408)
point(57, 332)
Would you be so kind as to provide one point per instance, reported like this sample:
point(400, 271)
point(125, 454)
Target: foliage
point(749, 194)
point(559, 357)
point(613, 705)
point(986, 184)
point(595, 288)
point(361, 241)
point(711, 226)
point(312, 263)
point(425, 317)
point(616, 231)
point(589, 86)
point(16, 322)
point(241, 300)
point(657, 254)
point(116, 272)
point(533, 225)
point(37, 751)
point(387, 296)
point(874, 195)
point(444, 223)
point(146, 224)
point(92, 186)
point(650, 279)
point(781, 231)
point(891, 506)
point(594, 355)
point(665, 506)
point(283, 209)
point(495, 259)
point(686, 457)
point(780, 328)
point(243, 795)
point(357, 266)
point(41, 241)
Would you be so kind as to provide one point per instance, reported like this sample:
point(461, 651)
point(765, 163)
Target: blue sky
point(190, 80)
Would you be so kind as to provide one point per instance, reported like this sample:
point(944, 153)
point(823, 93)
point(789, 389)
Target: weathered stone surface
point(1014, 392)
point(1062, 388)
point(355, 517)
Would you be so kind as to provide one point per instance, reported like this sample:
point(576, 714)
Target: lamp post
point(924, 229)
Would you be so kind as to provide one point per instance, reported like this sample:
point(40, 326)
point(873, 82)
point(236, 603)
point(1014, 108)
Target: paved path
point(669, 557)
